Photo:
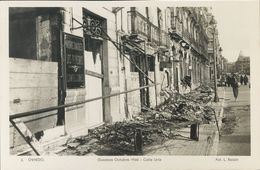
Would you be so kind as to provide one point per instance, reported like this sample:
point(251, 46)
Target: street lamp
point(216, 99)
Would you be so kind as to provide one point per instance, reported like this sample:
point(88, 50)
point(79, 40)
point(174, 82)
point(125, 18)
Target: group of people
point(233, 81)
point(243, 79)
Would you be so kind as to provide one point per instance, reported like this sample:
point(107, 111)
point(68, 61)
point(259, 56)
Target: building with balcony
point(214, 48)
point(190, 44)
point(117, 59)
point(61, 56)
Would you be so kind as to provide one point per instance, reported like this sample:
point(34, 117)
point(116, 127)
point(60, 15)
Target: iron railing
point(139, 23)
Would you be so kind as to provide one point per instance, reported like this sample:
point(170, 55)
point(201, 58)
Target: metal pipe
point(34, 112)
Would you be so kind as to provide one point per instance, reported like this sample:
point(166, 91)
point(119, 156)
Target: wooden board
point(33, 86)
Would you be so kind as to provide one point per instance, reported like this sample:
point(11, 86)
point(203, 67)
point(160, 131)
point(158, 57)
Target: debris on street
point(157, 125)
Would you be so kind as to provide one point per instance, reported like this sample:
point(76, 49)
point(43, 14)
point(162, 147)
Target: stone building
point(213, 46)
point(242, 64)
point(190, 45)
point(103, 64)
point(59, 56)
point(231, 67)
point(106, 56)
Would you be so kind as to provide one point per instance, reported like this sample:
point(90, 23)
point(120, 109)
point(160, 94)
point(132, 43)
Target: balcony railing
point(165, 39)
point(139, 23)
point(155, 33)
point(177, 26)
point(186, 35)
point(194, 44)
point(204, 51)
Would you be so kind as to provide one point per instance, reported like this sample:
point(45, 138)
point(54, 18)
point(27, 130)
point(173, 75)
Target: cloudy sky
point(238, 26)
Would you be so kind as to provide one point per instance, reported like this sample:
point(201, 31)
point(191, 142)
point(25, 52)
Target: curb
point(213, 150)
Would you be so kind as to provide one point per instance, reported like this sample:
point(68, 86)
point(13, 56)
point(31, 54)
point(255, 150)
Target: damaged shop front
point(142, 72)
point(54, 65)
point(65, 74)
point(34, 53)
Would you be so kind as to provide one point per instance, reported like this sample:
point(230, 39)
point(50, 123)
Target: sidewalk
point(208, 137)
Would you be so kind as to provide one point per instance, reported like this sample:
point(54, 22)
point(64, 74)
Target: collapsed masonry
point(154, 126)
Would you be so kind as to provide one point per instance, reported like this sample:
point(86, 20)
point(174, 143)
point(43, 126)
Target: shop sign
point(74, 57)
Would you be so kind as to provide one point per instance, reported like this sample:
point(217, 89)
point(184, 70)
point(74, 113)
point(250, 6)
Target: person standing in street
point(228, 80)
point(241, 79)
point(245, 80)
point(234, 85)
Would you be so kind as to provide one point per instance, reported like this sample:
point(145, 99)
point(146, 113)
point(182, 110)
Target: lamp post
point(216, 99)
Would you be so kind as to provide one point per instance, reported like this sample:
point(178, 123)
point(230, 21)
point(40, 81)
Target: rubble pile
point(187, 107)
point(205, 88)
point(157, 125)
point(123, 133)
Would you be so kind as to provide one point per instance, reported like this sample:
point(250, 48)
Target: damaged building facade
point(190, 43)
point(102, 64)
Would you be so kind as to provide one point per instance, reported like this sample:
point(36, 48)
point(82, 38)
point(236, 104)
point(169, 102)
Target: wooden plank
point(35, 124)
point(27, 80)
point(29, 105)
point(27, 133)
point(94, 74)
point(33, 85)
point(34, 93)
point(17, 65)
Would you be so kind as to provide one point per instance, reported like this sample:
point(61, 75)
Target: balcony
point(165, 39)
point(204, 50)
point(138, 23)
point(195, 45)
point(155, 33)
point(177, 27)
point(186, 36)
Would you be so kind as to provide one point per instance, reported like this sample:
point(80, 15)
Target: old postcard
point(129, 84)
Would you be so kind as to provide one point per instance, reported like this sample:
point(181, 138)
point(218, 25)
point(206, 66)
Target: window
point(93, 27)
point(22, 37)
point(34, 33)
point(136, 60)
point(160, 18)
point(151, 63)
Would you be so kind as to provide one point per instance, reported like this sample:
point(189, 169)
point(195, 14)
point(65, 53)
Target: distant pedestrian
point(228, 80)
point(241, 79)
point(245, 80)
point(235, 86)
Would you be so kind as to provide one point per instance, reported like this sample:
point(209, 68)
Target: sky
point(238, 27)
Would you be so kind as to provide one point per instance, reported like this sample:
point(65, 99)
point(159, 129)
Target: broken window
point(151, 63)
point(22, 37)
point(34, 33)
point(136, 61)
